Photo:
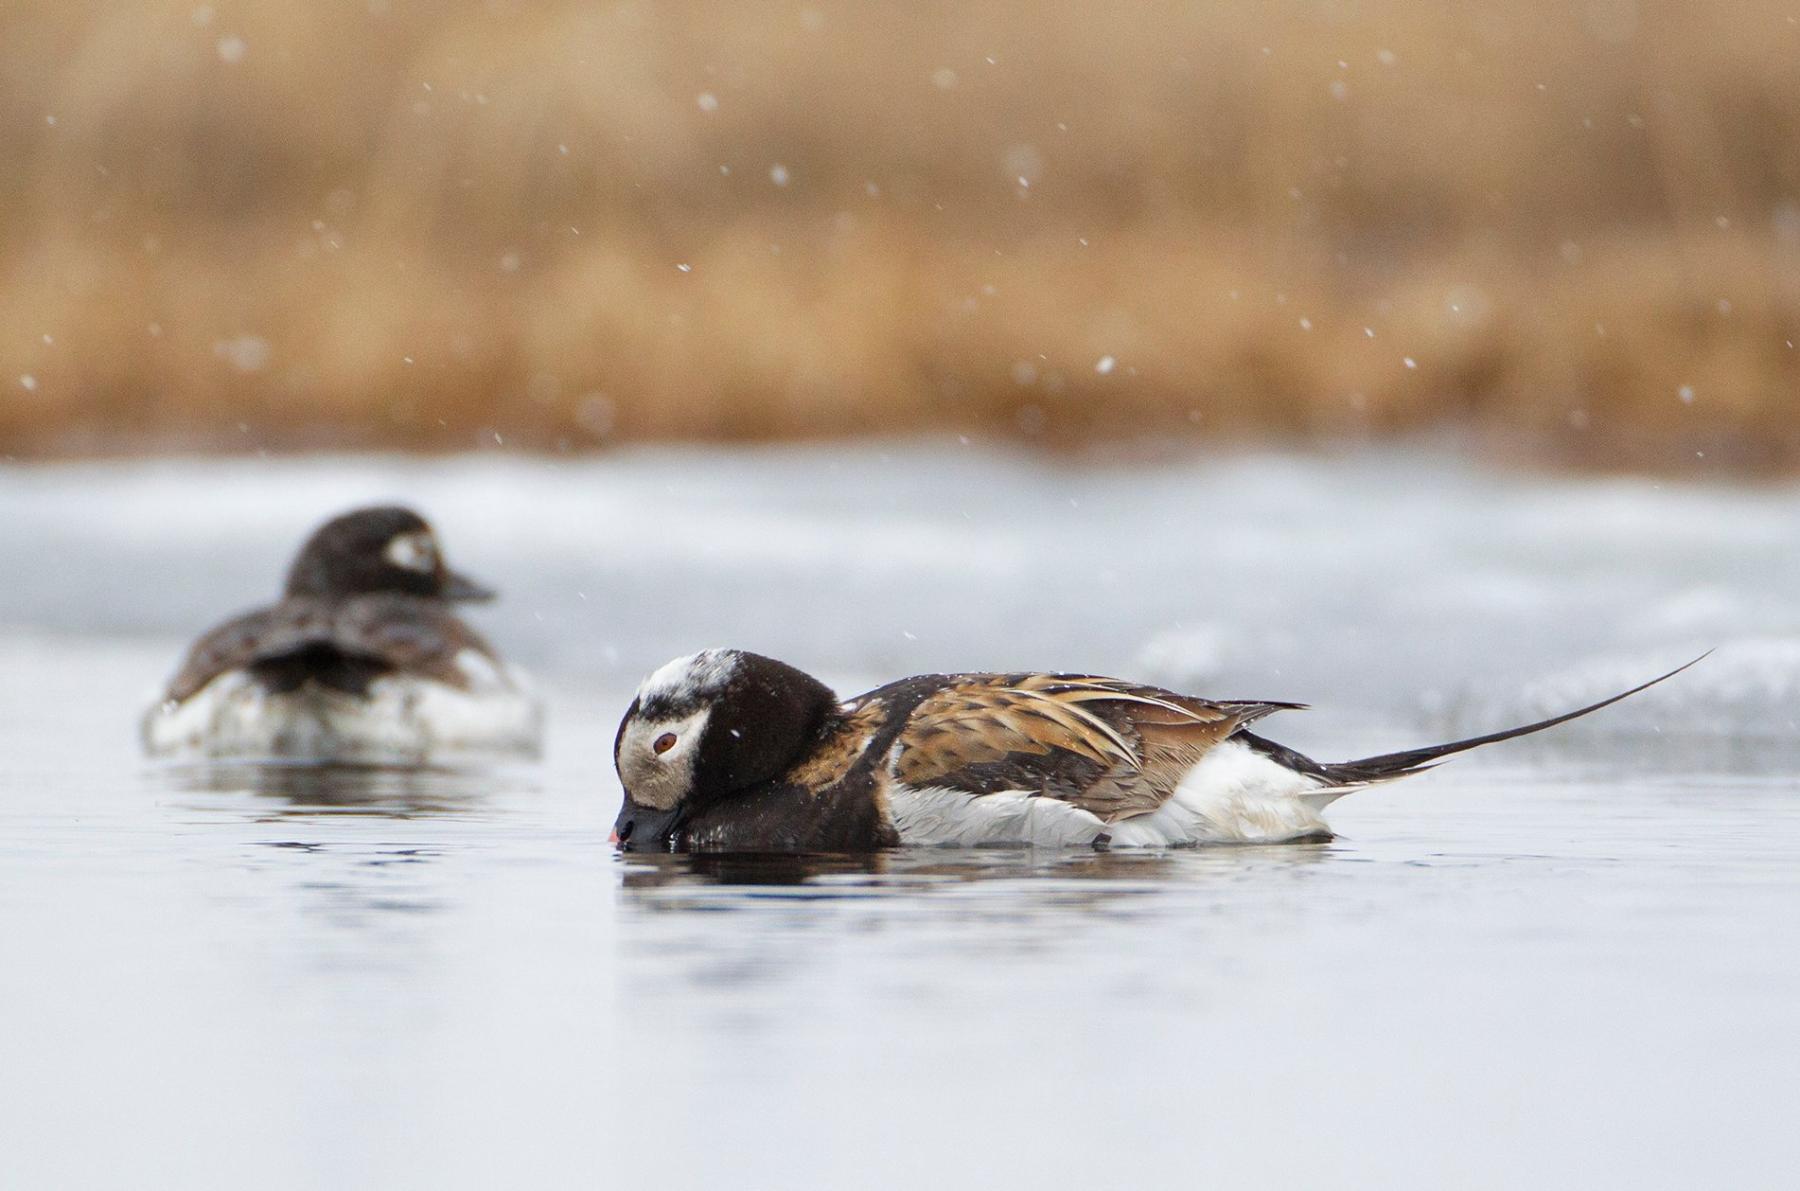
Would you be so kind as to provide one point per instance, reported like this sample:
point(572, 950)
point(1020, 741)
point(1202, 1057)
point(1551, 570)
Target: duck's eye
point(663, 743)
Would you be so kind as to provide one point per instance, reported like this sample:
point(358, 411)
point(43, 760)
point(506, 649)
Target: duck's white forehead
point(690, 678)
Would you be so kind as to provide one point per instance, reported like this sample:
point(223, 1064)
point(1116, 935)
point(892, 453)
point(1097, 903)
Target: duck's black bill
point(646, 829)
point(461, 587)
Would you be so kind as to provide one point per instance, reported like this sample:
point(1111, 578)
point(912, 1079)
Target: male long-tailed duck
point(727, 751)
point(362, 661)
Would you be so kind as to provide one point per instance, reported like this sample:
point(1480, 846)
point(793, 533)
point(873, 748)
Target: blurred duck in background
point(362, 661)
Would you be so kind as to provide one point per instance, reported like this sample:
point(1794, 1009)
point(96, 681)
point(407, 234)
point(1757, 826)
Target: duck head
point(381, 549)
point(706, 727)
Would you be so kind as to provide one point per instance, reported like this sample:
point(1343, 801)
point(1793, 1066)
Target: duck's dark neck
point(780, 817)
point(825, 802)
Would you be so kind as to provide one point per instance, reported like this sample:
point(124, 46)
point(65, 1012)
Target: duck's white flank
point(955, 819)
point(402, 720)
point(1233, 795)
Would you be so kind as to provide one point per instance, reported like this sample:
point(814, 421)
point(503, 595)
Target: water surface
point(1568, 964)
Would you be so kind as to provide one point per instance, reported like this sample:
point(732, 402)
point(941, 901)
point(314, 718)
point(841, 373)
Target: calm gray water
point(1569, 963)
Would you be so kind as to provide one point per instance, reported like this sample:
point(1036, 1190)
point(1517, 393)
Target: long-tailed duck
point(362, 661)
point(727, 751)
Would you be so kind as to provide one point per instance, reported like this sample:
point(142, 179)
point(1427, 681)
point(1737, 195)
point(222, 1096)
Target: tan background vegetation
point(1571, 227)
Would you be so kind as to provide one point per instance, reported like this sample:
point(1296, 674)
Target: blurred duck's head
point(381, 549)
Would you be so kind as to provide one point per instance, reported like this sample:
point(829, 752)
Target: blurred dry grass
point(1573, 227)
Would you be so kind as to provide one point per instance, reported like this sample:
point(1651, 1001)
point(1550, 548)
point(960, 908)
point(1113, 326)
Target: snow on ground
point(1399, 586)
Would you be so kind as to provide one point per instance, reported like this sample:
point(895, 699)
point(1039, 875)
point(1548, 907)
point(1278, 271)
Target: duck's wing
point(231, 646)
point(410, 635)
point(301, 637)
point(1114, 749)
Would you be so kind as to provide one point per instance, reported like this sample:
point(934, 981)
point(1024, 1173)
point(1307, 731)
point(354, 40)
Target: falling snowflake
point(246, 353)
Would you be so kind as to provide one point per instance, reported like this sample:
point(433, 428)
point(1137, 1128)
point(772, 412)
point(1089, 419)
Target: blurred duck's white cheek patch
point(661, 780)
point(412, 552)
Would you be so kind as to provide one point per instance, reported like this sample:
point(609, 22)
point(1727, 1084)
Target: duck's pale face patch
point(656, 758)
point(413, 551)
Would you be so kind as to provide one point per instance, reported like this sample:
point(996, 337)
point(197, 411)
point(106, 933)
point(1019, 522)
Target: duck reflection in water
point(395, 791)
point(859, 874)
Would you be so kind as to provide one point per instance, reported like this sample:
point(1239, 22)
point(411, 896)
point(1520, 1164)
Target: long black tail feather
point(1394, 765)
